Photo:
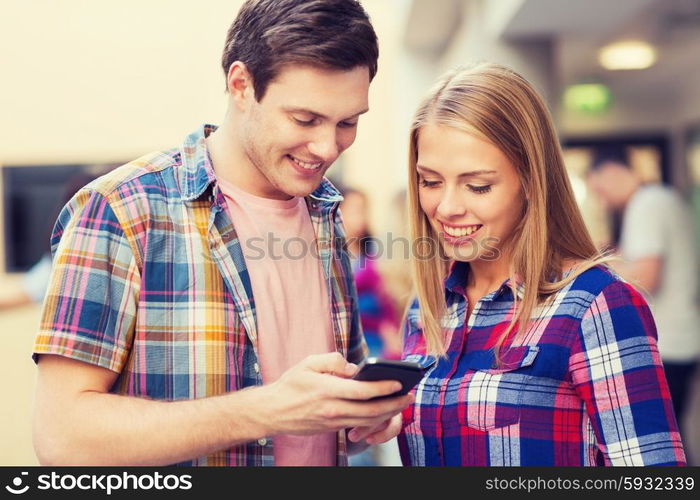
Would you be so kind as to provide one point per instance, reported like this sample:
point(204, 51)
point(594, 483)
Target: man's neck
point(230, 162)
point(630, 188)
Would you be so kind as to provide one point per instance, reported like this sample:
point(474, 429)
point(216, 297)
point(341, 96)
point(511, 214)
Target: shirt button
point(256, 367)
point(262, 441)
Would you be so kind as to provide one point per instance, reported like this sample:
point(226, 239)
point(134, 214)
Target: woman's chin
point(464, 252)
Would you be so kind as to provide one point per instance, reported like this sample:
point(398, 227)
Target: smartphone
point(406, 372)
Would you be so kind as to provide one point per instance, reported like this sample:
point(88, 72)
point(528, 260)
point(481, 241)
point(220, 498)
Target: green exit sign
point(592, 98)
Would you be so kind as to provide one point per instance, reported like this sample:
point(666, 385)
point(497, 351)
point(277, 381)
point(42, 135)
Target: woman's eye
point(428, 184)
point(479, 189)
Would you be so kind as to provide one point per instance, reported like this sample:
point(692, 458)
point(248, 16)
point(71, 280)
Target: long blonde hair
point(500, 106)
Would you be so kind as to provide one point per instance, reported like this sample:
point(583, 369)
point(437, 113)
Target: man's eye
point(347, 124)
point(305, 123)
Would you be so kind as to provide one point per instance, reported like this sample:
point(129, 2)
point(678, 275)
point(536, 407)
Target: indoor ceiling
point(577, 30)
point(580, 29)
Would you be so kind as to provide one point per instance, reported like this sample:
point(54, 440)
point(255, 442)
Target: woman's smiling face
point(468, 189)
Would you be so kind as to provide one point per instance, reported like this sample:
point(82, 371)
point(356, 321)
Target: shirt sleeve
point(90, 307)
point(616, 370)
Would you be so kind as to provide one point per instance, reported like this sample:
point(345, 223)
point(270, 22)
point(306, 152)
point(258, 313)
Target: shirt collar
point(197, 172)
point(457, 279)
point(325, 194)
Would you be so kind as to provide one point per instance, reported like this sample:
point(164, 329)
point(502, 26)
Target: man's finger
point(369, 414)
point(332, 363)
point(363, 391)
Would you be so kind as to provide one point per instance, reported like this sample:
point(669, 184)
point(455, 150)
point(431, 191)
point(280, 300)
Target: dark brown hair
point(268, 34)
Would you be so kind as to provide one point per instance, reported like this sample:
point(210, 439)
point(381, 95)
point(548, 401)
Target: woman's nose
point(452, 204)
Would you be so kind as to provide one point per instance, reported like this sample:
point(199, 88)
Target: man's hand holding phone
point(319, 395)
point(374, 369)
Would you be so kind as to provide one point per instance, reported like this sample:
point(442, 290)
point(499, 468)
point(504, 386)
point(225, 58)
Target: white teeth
point(305, 165)
point(458, 232)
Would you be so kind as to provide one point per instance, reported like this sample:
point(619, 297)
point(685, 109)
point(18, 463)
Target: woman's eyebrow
point(472, 173)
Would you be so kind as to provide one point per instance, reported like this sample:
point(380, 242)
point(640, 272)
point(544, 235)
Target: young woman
point(538, 353)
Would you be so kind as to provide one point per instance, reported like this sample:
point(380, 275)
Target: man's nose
point(325, 145)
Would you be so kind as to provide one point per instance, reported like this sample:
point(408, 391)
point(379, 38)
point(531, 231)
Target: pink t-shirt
point(291, 300)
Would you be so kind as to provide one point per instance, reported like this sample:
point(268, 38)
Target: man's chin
point(300, 189)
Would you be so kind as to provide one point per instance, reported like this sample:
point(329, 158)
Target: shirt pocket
point(492, 394)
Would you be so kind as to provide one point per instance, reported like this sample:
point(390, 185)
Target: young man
point(173, 330)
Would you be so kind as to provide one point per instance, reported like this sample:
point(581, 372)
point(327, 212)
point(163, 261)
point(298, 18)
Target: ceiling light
point(627, 55)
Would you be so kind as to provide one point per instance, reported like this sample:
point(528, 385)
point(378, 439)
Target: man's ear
point(239, 83)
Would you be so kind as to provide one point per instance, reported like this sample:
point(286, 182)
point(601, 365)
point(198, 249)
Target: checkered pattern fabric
point(149, 281)
point(583, 387)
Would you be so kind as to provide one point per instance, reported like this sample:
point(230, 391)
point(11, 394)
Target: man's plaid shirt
point(149, 281)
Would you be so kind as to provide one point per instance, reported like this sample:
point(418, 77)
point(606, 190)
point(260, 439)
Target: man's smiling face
point(307, 117)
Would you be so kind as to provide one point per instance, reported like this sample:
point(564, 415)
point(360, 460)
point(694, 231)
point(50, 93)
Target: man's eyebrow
point(472, 173)
point(321, 115)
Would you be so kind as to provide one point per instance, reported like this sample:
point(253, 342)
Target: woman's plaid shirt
point(149, 281)
point(584, 386)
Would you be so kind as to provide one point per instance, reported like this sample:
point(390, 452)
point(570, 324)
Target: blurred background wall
point(94, 83)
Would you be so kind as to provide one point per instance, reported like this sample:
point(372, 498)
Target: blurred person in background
point(380, 319)
point(657, 247)
point(31, 288)
point(536, 353)
point(169, 335)
point(395, 266)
